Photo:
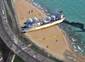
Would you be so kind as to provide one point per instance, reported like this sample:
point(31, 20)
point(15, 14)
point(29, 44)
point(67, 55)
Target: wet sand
point(52, 39)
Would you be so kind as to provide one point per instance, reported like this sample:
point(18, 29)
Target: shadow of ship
point(76, 24)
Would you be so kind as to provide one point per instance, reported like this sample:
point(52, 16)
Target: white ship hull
point(46, 25)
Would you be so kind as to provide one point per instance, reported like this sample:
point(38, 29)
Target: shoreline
point(40, 7)
point(74, 39)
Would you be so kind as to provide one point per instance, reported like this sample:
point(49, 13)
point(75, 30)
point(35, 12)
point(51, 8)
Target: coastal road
point(14, 43)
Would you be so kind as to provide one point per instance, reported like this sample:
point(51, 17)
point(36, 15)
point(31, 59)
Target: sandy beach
point(52, 39)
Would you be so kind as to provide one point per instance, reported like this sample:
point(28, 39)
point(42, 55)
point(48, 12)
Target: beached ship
point(35, 24)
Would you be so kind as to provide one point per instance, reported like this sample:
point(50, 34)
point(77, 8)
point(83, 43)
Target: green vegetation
point(18, 59)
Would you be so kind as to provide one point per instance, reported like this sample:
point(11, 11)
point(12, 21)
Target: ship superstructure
point(33, 24)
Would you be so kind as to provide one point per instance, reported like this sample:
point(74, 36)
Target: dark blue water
point(74, 11)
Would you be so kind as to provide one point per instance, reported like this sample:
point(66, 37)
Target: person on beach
point(31, 11)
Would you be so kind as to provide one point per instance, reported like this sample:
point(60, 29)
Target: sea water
point(74, 11)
